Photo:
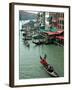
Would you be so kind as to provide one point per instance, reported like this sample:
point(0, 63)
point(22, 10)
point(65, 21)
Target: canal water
point(29, 63)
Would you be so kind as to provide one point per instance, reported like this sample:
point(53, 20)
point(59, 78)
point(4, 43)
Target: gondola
point(51, 73)
point(38, 43)
point(26, 43)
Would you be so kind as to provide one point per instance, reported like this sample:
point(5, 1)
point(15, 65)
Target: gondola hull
point(38, 43)
point(53, 73)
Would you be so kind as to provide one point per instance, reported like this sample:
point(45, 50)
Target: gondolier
point(49, 68)
point(43, 60)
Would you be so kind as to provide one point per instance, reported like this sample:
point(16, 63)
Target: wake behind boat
point(48, 68)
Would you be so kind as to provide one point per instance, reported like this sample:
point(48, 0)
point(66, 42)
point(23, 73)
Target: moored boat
point(26, 43)
point(38, 43)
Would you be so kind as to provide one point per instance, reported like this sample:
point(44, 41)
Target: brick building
point(57, 20)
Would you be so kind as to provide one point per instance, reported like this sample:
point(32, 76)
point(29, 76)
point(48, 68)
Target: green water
point(29, 63)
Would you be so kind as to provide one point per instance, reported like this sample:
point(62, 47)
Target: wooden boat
point(38, 43)
point(26, 43)
point(51, 73)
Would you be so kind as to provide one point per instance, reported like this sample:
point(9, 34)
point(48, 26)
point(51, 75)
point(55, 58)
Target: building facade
point(57, 20)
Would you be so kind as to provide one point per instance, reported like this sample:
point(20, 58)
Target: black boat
point(38, 43)
point(50, 72)
point(26, 43)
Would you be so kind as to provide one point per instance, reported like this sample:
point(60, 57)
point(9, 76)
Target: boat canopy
point(53, 29)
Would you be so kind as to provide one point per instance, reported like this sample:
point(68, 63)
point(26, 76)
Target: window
point(63, 22)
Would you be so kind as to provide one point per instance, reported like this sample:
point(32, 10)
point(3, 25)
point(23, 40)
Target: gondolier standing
point(45, 63)
point(43, 60)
